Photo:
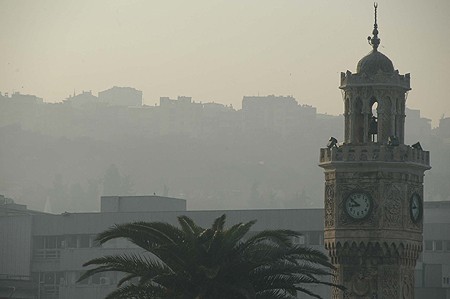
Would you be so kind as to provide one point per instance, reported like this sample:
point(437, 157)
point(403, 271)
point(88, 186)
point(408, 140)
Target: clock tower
point(374, 185)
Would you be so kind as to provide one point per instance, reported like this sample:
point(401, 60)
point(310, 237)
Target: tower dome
point(374, 62)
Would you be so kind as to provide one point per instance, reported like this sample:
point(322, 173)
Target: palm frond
point(143, 234)
point(217, 262)
point(139, 292)
point(219, 223)
point(135, 265)
point(188, 226)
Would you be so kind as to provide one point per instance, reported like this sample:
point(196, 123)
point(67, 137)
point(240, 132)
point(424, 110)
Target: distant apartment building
point(219, 119)
point(121, 96)
point(443, 131)
point(23, 110)
point(26, 98)
point(41, 255)
point(83, 100)
point(181, 116)
point(418, 126)
point(281, 114)
point(18, 98)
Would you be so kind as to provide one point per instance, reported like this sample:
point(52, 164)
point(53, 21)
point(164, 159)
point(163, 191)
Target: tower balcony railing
point(378, 153)
point(395, 79)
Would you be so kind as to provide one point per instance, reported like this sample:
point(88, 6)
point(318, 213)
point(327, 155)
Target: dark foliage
point(191, 262)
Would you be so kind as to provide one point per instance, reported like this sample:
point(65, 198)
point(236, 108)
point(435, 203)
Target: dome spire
point(374, 41)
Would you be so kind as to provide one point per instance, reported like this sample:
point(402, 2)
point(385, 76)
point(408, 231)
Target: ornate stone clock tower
point(374, 185)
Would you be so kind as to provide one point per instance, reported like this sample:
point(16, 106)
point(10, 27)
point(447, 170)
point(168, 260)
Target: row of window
point(446, 280)
point(49, 243)
point(306, 238)
point(437, 245)
point(50, 282)
point(67, 241)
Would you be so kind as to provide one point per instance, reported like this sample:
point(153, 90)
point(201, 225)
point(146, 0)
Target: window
point(50, 242)
point(315, 238)
point(60, 242)
point(445, 280)
point(39, 243)
point(300, 240)
point(49, 284)
point(95, 279)
point(71, 241)
point(428, 245)
point(84, 241)
point(82, 282)
point(47, 247)
point(95, 243)
point(438, 245)
point(447, 245)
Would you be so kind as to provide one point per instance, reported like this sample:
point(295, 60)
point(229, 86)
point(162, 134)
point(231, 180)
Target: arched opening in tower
point(373, 120)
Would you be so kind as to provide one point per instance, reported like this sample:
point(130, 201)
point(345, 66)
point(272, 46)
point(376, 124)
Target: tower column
point(366, 128)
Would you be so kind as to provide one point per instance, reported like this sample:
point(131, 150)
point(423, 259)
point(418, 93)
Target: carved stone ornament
point(363, 282)
point(393, 194)
point(389, 283)
point(330, 176)
point(408, 284)
point(329, 205)
point(335, 292)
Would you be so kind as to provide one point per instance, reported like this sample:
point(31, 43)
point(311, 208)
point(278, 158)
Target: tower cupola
point(374, 98)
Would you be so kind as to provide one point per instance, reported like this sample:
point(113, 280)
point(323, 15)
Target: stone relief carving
point(335, 292)
point(330, 176)
point(393, 194)
point(360, 282)
point(329, 205)
point(389, 283)
point(408, 284)
point(364, 282)
point(366, 279)
point(351, 156)
point(363, 157)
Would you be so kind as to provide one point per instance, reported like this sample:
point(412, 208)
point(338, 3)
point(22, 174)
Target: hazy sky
point(221, 50)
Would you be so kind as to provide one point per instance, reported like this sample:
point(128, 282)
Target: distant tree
point(191, 262)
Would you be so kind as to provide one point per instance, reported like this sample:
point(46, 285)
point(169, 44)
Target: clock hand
point(355, 204)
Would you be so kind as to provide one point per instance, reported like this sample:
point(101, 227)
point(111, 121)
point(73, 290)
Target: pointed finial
point(374, 41)
point(375, 5)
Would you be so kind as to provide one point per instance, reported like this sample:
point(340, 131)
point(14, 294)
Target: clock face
point(415, 207)
point(358, 205)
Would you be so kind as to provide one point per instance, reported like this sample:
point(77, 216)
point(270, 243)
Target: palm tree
point(190, 262)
